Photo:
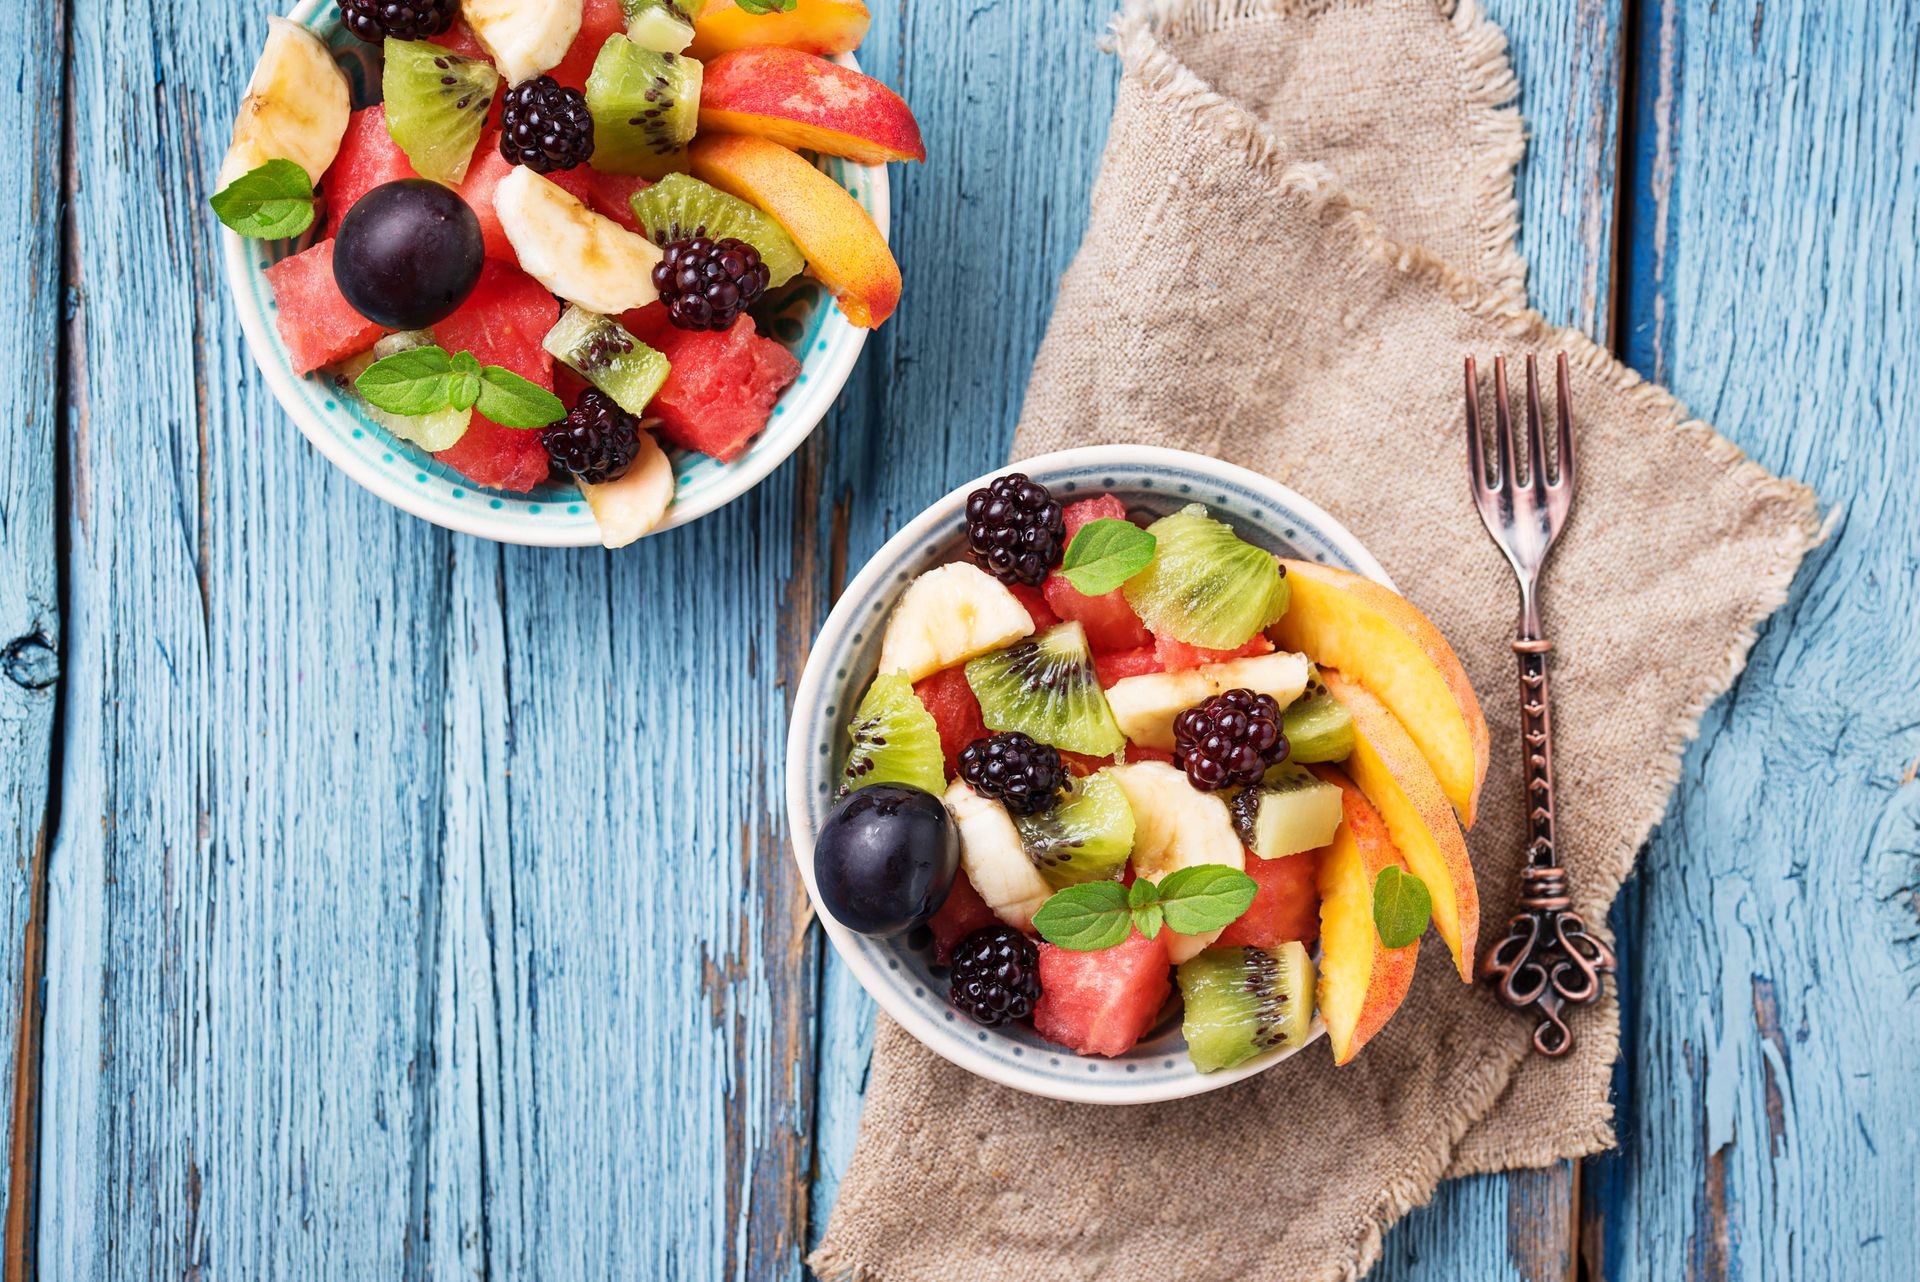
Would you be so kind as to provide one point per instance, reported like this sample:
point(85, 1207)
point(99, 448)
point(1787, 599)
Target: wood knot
point(30, 661)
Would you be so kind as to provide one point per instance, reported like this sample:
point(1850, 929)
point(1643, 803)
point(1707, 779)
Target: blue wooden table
point(386, 904)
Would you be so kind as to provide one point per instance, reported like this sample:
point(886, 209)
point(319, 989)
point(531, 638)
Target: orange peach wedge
point(1362, 981)
point(843, 247)
point(816, 26)
point(803, 100)
point(1398, 781)
point(1376, 637)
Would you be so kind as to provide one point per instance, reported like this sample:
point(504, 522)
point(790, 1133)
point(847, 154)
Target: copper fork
point(1547, 960)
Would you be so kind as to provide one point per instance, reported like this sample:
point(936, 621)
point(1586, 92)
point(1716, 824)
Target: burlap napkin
point(1304, 220)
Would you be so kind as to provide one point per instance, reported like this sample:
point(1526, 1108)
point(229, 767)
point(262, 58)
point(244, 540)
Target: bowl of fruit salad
point(1125, 775)
point(561, 272)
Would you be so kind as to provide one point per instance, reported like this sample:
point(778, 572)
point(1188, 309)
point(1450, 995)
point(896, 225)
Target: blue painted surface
point(420, 908)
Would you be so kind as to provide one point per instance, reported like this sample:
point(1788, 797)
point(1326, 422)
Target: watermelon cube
point(483, 177)
point(612, 195)
point(1110, 622)
point(460, 38)
point(317, 323)
point(598, 20)
point(1178, 656)
point(1286, 904)
point(1104, 508)
point(502, 323)
point(368, 158)
point(963, 913)
point(1101, 1003)
point(1117, 665)
point(1037, 608)
point(721, 388)
point(955, 711)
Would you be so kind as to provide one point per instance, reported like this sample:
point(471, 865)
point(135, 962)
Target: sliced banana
point(524, 37)
point(296, 107)
point(948, 615)
point(995, 859)
point(582, 256)
point(1146, 706)
point(631, 506)
point(1176, 826)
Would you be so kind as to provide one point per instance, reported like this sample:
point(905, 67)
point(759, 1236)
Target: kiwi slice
point(1317, 725)
point(1206, 585)
point(645, 105)
point(1244, 1001)
point(439, 430)
point(664, 26)
point(1087, 836)
point(1287, 812)
point(436, 106)
point(599, 349)
point(894, 740)
point(679, 208)
point(1045, 687)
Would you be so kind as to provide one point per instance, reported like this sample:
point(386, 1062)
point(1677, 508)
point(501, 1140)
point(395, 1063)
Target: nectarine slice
point(804, 101)
point(1389, 769)
point(844, 248)
point(1362, 981)
point(817, 26)
point(1376, 637)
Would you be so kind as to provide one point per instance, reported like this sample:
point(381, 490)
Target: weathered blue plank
point(1776, 286)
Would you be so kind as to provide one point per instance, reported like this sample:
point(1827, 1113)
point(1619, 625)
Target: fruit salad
point(1116, 764)
point(542, 252)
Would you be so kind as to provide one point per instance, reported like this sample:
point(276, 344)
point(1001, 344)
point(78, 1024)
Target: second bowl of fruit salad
point(561, 272)
point(1124, 774)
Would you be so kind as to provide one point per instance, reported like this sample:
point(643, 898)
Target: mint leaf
point(512, 401)
point(767, 6)
point(1402, 906)
point(410, 382)
point(272, 202)
point(1205, 897)
point(1085, 918)
point(463, 385)
point(1149, 920)
point(1142, 893)
point(1105, 554)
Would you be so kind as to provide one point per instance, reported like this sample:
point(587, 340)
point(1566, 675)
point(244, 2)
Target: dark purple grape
point(885, 859)
point(408, 253)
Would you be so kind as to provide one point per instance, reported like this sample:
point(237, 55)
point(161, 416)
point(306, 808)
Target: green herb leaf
point(410, 382)
point(1150, 919)
point(1085, 918)
point(1142, 893)
point(512, 401)
point(767, 6)
point(1205, 897)
point(272, 202)
point(1402, 906)
point(1105, 554)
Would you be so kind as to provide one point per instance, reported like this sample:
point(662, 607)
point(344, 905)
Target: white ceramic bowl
point(806, 320)
point(899, 976)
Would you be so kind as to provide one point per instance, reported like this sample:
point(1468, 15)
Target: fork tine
point(1502, 425)
point(1476, 449)
point(1536, 433)
point(1564, 475)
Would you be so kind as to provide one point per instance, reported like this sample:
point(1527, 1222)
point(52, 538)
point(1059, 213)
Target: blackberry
point(375, 20)
point(706, 283)
point(1024, 776)
point(597, 440)
point(1016, 529)
point(996, 976)
point(1230, 739)
point(546, 126)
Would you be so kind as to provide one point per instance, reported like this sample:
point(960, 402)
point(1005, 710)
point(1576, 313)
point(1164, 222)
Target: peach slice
point(1377, 638)
point(815, 26)
point(843, 247)
point(804, 101)
point(1401, 785)
point(1362, 981)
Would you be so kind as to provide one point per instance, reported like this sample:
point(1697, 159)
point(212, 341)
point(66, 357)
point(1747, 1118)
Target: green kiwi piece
point(1317, 725)
point(895, 740)
point(1045, 687)
point(1206, 585)
point(1086, 837)
point(439, 430)
point(1242, 1002)
point(1287, 812)
point(645, 105)
point(679, 208)
point(599, 349)
point(437, 105)
point(663, 26)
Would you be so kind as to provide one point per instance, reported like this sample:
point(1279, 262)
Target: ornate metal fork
point(1547, 960)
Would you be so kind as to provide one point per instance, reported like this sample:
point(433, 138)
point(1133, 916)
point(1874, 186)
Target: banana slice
point(948, 615)
point(1176, 826)
point(995, 859)
point(296, 107)
point(582, 256)
point(524, 37)
point(631, 506)
point(1146, 706)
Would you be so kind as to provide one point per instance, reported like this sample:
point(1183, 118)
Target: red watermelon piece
point(502, 323)
point(1135, 752)
point(598, 20)
point(460, 38)
point(1101, 1003)
point(1036, 603)
point(1117, 665)
point(484, 175)
point(368, 158)
point(1110, 622)
point(612, 195)
point(1104, 508)
point(721, 388)
point(1178, 656)
point(963, 913)
point(955, 710)
point(1285, 906)
point(317, 323)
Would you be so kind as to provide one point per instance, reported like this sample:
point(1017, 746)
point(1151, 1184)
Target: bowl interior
point(899, 973)
point(801, 316)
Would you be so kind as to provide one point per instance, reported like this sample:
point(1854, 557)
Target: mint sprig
point(424, 380)
point(1402, 906)
point(1100, 914)
point(1106, 553)
point(767, 6)
point(273, 202)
